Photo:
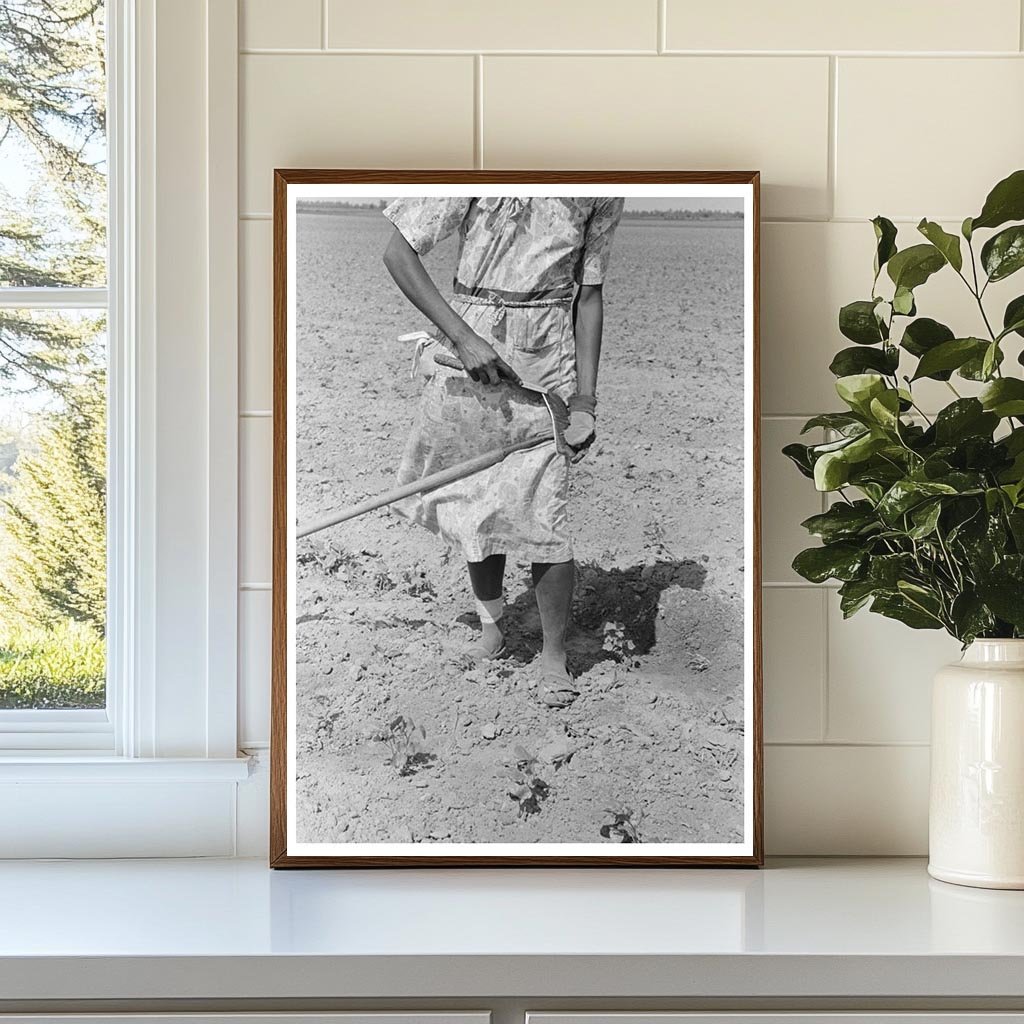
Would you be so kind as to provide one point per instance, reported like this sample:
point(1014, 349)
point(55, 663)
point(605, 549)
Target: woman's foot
point(554, 683)
point(490, 644)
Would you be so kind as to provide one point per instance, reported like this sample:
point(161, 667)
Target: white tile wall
point(253, 667)
point(261, 25)
point(698, 113)
point(474, 25)
point(795, 642)
point(255, 508)
point(873, 25)
point(909, 109)
point(971, 110)
point(335, 110)
point(256, 356)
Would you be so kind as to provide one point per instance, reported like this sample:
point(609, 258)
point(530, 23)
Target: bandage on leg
point(490, 612)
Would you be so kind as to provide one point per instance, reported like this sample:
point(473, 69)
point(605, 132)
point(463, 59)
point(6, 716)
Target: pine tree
point(52, 121)
point(53, 234)
point(53, 519)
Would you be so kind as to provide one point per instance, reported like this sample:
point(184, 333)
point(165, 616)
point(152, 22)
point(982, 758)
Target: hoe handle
point(427, 483)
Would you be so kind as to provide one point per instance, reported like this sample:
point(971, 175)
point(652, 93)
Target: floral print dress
point(518, 266)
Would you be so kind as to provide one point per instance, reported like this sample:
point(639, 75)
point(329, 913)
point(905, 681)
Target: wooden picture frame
point(286, 852)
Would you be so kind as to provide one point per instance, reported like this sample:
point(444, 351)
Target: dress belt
point(500, 297)
point(500, 300)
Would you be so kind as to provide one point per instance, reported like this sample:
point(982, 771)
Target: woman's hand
point(582, 429)
point(580, 434)
point(481, 361)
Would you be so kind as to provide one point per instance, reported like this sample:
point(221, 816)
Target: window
point(118, 262)
point(53, 368)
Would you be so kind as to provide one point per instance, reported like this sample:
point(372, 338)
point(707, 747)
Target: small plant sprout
point(616, 642)
point(622, 827)
point(527, 789)
point(405, 739)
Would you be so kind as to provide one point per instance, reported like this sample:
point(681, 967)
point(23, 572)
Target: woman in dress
point(527, 306)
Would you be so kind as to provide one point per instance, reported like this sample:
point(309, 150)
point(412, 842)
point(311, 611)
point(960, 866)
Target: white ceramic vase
point(976, 814)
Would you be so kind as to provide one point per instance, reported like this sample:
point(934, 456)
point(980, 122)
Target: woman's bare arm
point(589, 326)
point(478, 356)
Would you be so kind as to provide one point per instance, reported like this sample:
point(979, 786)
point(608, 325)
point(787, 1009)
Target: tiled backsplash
point(910, 109)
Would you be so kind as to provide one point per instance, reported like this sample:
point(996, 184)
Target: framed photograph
point(516, 562)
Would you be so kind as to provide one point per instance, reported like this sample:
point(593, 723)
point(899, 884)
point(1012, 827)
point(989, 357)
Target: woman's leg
point(487, 578)
point(553, 583)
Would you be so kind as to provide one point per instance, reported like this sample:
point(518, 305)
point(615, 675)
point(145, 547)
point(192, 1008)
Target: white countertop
point(233, 929)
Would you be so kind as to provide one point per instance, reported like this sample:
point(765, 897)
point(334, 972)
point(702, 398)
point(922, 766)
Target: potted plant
point(927, 521)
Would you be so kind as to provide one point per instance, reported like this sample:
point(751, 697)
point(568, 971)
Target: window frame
point(171, 710)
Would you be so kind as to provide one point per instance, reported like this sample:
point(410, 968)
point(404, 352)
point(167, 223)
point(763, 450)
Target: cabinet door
point(784, 1017)
point(360, 1017)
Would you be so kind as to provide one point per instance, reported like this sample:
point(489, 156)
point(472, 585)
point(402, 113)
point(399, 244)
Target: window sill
point(75, 766)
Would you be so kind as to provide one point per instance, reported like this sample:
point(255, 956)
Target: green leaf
point(842, 521)
point(947, 244)
point(887, 570)
point(923, 335)
point(965, 229)
point(857, 321)
point(841, 561)
point(858, 389)
point(925, 518)
point(949, 355)
point(885, 409)
point(885, 237)
point(849, 361)
point(1005, 596)
point(1014, 441)
point(872, 491)
point(831, 471)
point(841, 421)
point(906, 494)
point(855, 594)
point(995, 499)
point(1004, 397)
point(1013, 317)
point(991, 360)
point(799, 455)
point(970, 617)
point(897, 607)
point(974, 368)
point(1003, 254)
point(864, 446)
point(903, 302)
point(966, 417)
point(1015, 519)
point(964, 482)
point(912, 267)
point(818, 450)
point(1005, 202)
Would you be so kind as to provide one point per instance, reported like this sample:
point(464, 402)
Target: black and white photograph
point(514, 527)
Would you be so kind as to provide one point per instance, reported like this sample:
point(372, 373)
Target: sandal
point(477, 651)
point(555, 690)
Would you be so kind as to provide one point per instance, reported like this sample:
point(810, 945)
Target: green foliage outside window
point(52, 365)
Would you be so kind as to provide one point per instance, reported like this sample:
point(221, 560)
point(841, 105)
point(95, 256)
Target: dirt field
point(652, 750)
